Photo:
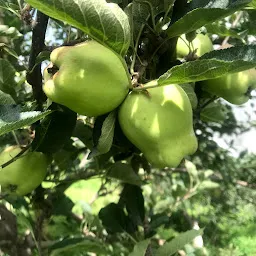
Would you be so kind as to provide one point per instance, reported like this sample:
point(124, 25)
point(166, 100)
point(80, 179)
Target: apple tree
point(119, 127)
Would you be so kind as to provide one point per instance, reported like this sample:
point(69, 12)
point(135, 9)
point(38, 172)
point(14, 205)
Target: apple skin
point(234, 87)
point(24, 174)
point(202, 43)
point(92, 80)
point(160, 124)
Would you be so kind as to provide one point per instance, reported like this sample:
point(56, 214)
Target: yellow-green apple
point(202, 43)
point(24, 174)
point(88, 78)
point(159, 122)
point(234, 88)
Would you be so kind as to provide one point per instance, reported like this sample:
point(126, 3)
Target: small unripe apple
point(160, 123)
point(88, 78)
point(202, 43)
point(234, 88)
point(24, 174)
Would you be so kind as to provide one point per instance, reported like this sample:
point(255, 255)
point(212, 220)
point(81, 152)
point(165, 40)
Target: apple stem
point(15, 157)
point(142, 87)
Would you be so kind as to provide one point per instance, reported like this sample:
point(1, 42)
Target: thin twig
point(238, 17)
point(16, 157)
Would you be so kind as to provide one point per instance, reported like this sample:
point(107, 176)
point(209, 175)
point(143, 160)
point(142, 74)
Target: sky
point(244, 113)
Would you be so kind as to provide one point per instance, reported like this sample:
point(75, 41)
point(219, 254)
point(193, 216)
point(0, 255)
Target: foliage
point(100, 194)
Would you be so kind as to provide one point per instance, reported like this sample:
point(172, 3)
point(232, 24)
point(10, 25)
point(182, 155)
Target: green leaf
point(6, 99)
point(253, 4)
point(133, 200)
point(84, 133)
point(199, 17)
point(8, 50)
point(27, 222)
point(69, 246)
point(208, 173)
point(107, 133)
point(189, 90)
point(104, 22)
point(140, 248)
point(15, 9)
point(214, 112)
point(211, 65)
point(54, 131)
point(169, 248)
point(116, 1)
point(125, 173)
point(106, 138)
point(44, 55)
point(61, 204)
point(191, 168)
point(140, 11)
point(138, 15)
point(158, 220)
point(207, 184)
point(221, 30)
point(12, 119)
point(113, 218)
point(7, 74)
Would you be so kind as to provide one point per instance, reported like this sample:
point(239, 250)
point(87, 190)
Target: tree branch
point(34, 76)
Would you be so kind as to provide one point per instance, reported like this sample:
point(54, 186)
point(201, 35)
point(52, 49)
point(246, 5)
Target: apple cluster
point(92, 80)
point(234, 88)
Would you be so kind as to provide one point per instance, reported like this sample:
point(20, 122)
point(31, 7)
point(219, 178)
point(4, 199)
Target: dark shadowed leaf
point(133, 200)
point(55, 130)
point(62, 205)
point(84, 133)
point(113, 218)
point(124, 173)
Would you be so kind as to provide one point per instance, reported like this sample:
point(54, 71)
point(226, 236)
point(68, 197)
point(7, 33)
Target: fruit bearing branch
point(34, 76)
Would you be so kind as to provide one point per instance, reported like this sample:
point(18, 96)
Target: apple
point(88, 78)
point(24, 174)
point(234, 88)
point(160, 123)
point(202, 43)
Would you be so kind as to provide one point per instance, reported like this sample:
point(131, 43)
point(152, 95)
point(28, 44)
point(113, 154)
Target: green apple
point(160, 123)
point(202, 43)
point(234, 88)
point(24, 174)
point(88, 78)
